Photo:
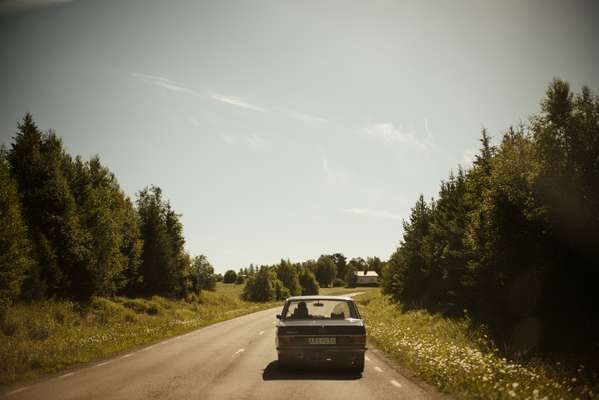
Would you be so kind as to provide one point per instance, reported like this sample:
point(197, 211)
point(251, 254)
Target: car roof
point(317, 297)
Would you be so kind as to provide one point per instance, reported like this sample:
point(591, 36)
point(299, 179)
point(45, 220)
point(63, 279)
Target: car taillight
point(283, 340)
point(357, 339)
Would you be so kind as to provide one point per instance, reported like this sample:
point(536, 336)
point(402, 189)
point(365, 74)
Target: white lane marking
point(19, 390)
point(66, 375)
point(366, 358)
point(149, 347)
point(239, 352)
point(395, 383)
point(127, 355)
point(102, 364)
point(378, 369)
point(261, 333)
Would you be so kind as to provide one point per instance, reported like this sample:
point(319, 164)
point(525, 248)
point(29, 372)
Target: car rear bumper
point(311, 354)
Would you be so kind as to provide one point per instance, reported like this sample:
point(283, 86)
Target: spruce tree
point(16, 252)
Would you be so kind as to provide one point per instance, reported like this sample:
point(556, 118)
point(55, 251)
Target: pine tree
point(180, 267)
point(38, 162)
point(157, 252)
point(16, 250)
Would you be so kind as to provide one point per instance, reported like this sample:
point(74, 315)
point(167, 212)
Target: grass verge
point(338, 291)
point(462, 361)
point(49, 336)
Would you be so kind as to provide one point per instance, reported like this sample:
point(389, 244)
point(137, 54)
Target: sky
point(287, 129)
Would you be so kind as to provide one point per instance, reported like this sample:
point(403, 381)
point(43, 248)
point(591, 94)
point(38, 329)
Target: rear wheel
point(358, 365)
point(284, 362)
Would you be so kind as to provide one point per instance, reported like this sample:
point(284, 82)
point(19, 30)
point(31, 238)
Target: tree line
point(513, 240)
point(279, 281)
point(69, 231)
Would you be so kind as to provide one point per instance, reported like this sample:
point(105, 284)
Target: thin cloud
point(228, 139)
point(325, 163)
point(336, 178)
point(164, 83)
point(391, 134)
point(237, 101)
point(7, 6)
point(367, 212)
point(300, 116)
point(429, 135)
point(253, 141)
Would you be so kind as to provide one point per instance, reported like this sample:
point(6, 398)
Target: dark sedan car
point(322, 329)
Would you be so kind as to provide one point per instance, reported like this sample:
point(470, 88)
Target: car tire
point(284, 363)
point(358, 365)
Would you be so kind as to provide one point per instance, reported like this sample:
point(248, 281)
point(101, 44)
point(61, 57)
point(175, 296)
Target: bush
point(338, 282)
point(38, 332)
point(8, 325)
point(287, 273)
point(308, 282)
point(351, 278)
point(264, 286)
point(192, 298)
point(142, 306)
point(230, 276)
point(105, 310)
point(281, 291)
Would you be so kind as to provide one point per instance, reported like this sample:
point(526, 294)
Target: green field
point(338, 291)
point(229, 289)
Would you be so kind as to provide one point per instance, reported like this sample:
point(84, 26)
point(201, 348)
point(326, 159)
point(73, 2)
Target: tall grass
point(463, 361)
point(48, 336)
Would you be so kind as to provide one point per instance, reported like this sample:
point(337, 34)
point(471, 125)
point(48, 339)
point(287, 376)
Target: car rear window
point(319, 309)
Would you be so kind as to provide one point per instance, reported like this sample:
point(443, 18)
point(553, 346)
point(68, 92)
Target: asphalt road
point(235, 359)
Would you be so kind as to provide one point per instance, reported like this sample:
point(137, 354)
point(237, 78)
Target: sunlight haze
point(286, 129)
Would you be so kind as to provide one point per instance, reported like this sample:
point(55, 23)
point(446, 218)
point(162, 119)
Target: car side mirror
point(279, 316)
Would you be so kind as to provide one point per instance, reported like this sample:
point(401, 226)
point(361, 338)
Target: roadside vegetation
point(47, 336)
point(460, 358)
point(512, 243)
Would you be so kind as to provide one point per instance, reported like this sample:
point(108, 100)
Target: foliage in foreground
point(47, 336)
point(462, 361)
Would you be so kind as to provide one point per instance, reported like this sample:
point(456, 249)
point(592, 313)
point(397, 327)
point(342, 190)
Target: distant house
point(366, 278)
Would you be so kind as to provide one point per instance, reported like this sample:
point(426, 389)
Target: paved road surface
point(235, 359)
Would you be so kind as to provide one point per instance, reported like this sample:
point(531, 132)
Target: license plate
point(322, 340)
